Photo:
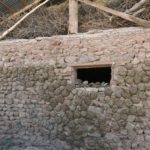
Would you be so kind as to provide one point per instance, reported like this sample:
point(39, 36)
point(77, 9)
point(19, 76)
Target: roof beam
point(23, 2)
point(5, 6)
point(139, 21)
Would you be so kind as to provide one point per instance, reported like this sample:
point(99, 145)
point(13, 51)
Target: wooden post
point(73, 17)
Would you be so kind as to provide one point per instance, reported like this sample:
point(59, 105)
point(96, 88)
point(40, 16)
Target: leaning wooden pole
point(22, 10)
point(73, 17)
point(128, 17)
point(23, 18)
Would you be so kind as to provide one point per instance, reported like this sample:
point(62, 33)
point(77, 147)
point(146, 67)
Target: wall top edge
point(90, 34)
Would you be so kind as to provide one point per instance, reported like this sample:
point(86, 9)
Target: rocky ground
point(51, 147)
point(39, 148)
point(27, 148)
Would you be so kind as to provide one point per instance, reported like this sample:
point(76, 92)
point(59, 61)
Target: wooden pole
point(22, 10)
point(73, 17)
point(23, 18)
point(128, 17)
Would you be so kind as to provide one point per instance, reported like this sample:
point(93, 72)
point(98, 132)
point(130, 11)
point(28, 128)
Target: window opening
point(101, 74)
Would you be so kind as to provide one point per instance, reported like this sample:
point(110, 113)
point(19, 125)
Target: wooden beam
point(22, 10)
point(23, 2)
point(128, 17)
point(92, 65)
point(22, 19)
point(73, 17)
point(5, 6)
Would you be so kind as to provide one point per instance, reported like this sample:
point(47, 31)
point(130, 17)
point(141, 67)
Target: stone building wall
point(40, 100)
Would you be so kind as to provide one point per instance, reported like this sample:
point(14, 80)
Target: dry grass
point(122, 5)
point(44, 22)
point(54, 20)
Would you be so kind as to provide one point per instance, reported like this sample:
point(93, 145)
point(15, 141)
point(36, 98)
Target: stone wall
point(41, 103)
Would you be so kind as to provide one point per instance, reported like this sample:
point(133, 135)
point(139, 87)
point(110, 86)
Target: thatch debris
point(53, 20)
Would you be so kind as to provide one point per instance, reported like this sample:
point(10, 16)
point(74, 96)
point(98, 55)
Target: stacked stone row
point(34, 100)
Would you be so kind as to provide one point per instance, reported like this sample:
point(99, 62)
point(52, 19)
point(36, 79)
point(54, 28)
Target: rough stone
point(41, 102)
point(122, 71)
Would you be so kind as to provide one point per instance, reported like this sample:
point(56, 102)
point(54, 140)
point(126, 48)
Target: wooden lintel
point(91, 65)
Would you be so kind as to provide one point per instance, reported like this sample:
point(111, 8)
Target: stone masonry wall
point(40, 102)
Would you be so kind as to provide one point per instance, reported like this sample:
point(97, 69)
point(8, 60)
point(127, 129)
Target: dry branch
point(22, 10)
point(136, 6)
point(23, 18)
point(138, 12)
point(128, 17)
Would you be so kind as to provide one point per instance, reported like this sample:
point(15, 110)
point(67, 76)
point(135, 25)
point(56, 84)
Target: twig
point(22, 10)
point(139, 11)
point(136, 6)
point(22, 19)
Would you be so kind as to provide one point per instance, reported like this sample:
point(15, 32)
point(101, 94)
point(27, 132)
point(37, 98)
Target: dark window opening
point(94, 74)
